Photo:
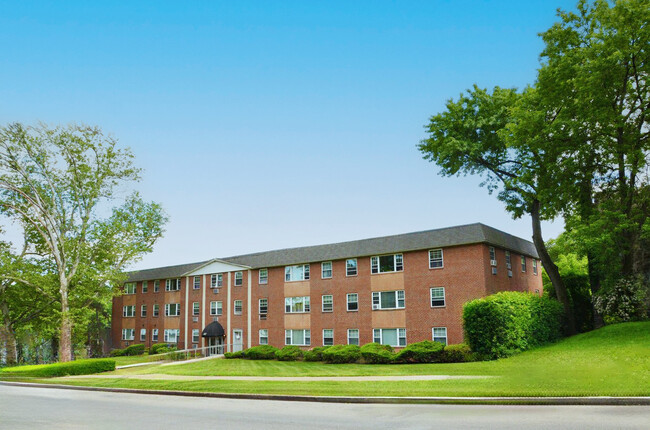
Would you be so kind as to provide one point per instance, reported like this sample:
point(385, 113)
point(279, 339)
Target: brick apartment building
point(394, 290)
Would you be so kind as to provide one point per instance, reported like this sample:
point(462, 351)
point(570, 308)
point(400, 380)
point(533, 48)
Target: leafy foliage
point(626, 300)
point(342, 354)
point(78, 367)
point(315, 354)
point(457, 353)
point(376, 353)
point(289, 353)
point(236, 354)
point(261, 352)
point(426, 351)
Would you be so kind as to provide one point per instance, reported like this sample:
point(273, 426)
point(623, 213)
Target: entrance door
point(237, 340)
point(215, 345)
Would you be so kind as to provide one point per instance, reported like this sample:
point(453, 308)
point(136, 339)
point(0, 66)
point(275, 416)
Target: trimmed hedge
point(289, 353)
point(262, 352)
point(238, 354)
point(457, 353)
point(137, 349)
point(315, 354)
point(160, 348)
point(376, 353)
point(342, 354)
point(78, 367)
point(509, 322)
point(426, 351)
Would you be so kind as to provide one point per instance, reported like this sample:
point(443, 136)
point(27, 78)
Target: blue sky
point(264, 125)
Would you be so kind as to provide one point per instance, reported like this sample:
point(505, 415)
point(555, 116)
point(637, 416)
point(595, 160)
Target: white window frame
point(523, 264)
point(436, 262)
point(508, 260)
point(350, 331)
point(288, 337)
point(324, 270)
point(173, 284)
point(216, 280)
point(434, 337)
point(264, 336)
point(236, 304)
point(265, 278)
point(375, 264)
point(263, 310)
point(351, 270)
point(143, 335)
point(291, 304)
point(126, 332)
point(376, 300)
point(154, 335)
point(143, 311)
point(216, 308)
point(493, 255)
point(328, 337)
point(168, 331)
point(378, 336)
point(129, 288)
point(347, 300)
point(331, 303)
point(239, 279)
point(155, 311)
point(196, 309)
point(535, 266)
point(168, 309)
point(156, 286)
point(196, 284)
point(128, 311)
point(195, 335)
point(444, 298)
point(145, 287)
point(290, 271)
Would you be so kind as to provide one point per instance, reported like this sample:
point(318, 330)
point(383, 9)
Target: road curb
point(558, 401)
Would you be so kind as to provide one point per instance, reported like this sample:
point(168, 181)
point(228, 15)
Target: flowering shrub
point(626, 300)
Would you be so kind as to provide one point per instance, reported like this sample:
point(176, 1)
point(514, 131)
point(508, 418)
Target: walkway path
point(157, 376)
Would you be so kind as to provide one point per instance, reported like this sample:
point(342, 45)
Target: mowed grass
point(613, 361)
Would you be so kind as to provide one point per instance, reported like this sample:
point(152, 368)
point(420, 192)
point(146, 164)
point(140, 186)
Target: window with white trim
point(390, 336)
point(195, 335)
point(156, 286)
point(508, 265)
point(172, 309)
point(172, 285)
point(264, 336)
point(129, 288)
point(493, 256)
point(239, 279)
point(436, 259)
point(197, 282)
point(534, 266)
point(351, 267)
point(437, 297)
point(172, 335)
point(296, 273)
point(353, 336)
point(143, 334)
point(263, 306)
point(143, 311)
point(439, 334)
point(264, 276)
point(387, 263)
point(326, 270)
point(297, 337)
point(239, 307)
point(128, 334)
point(216, 280)
point(293, 305)
point(128, 311)
point(156, 310)
point(216, 308)
point(388, 299)
point(328, 337)
point(196, 309)
point(145, 287)
point(328, 303)
point(523, 263)
point(353, 301)
point(154, 335)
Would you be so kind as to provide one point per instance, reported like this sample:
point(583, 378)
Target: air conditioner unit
point(215, 290)
point(509, 273)
point(494, 270)
point(262, 316)
point(195, 319)
point(375, 307)
point(215, 319)
point(493, 262)
point(509, 266)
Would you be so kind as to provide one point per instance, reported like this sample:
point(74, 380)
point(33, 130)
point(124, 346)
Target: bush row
point(78, 367)
point(129, 350)
point(160, 348)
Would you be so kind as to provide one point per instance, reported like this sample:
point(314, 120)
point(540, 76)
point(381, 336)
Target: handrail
point(206, 351)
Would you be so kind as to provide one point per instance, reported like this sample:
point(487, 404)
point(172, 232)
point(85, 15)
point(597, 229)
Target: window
point(328, 337)
point(172, 284)
point(294, 305)
point(145, 287)
point(216, 308)
point(388, 300)
point(196, 310)
point(129, 288)
point(154, 335)
point(534, 266)
point(128, 311)
point(386, 263)
point(493, 256)
point(353, 302)
point(439, 334)
point(435, 259)
point(239, 305)
point(353, 336)
point(156, 286)
point(239, 279)
point(523, 263)
point(326, 270)
point(156, 310)
point(390, 336)
point(296, 273)
point(172, 309)
point(508, 265)
point(195, 335)
point(328, 303)
point(264, 276)
point(216, 280)
point(143, 334)
point(264, 306)
point(264, 337)
point(171, 335)
point(351, 267)
point(437, 297)
point(297, 337)
point(128, 334)
point(143, 311)
point(197, 282)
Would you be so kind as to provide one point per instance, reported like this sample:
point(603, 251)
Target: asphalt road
point(36, 408)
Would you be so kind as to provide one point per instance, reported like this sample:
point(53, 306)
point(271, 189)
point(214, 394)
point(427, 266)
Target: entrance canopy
point(214, 329)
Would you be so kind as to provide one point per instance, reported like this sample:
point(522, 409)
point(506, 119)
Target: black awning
point(214, 329)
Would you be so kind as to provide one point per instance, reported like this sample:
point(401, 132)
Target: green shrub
point(161, 348)
point(116, 352)
point(289, 353)
point(457, 353)
point(78, 367)
point(426, 351)
point(376, 353)
point(342, 354)
point(262, 352)
point(315, 354)
point(509, 322)
point(134, 350)
point(237, 354)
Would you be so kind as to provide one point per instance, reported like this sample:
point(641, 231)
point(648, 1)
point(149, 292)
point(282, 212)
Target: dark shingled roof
point(438, 238)
point(214, 329)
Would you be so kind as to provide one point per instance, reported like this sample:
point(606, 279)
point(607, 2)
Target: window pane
point(387, 263)
point(389, 336)
point(388, 300)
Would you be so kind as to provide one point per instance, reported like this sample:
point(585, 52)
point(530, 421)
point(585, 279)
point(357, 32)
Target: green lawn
point(613, 361)
point(134, 359)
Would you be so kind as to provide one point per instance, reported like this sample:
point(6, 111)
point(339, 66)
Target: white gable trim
point(216, 266)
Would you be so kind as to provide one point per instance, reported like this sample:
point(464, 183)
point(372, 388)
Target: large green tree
point(56, 183)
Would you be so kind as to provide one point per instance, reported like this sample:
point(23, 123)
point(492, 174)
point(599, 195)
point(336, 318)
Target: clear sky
point(272, 124)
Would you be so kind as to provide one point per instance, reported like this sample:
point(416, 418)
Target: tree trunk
point(65, 338)
point(551, 269)
point(7, 336)
point(594, 284)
